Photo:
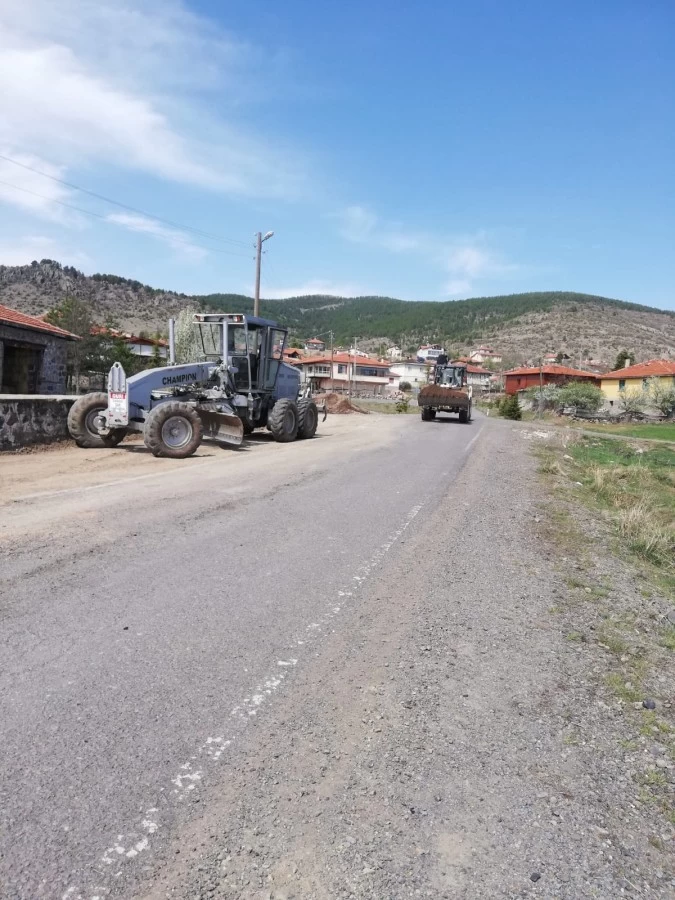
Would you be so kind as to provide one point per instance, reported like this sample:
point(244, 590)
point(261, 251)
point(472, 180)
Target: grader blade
point(222, 427)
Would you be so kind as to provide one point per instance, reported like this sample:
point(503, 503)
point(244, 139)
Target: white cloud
point(32, 193)
point(22, 251)
point(457, 287)
point(465, 258)
point(175, 239)
point(360, 225)
point(334, 288)
point(126, 84)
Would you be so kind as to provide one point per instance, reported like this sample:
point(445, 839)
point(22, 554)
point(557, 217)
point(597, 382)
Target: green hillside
point(460, 321)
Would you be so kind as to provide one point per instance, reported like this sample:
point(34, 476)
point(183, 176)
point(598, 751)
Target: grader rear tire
point(173, 430)
point(283, 421)
point(308, 418)
point(81, 422)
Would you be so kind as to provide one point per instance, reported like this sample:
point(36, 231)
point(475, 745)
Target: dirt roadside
point(64, 484)
point(450, 742)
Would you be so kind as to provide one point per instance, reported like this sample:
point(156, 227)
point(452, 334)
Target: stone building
point(32, 354)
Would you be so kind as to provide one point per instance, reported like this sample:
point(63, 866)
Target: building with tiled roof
point(638, 377)
point(530, 376)
point(32, 354)
point(343, 370)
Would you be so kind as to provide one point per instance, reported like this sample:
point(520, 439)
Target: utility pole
point(332, 378)
point(541, 387)
point(259, 239)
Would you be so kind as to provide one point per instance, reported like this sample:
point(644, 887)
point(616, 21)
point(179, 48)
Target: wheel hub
point(176, 432)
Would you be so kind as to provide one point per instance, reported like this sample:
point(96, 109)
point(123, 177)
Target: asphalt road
point(147, 622)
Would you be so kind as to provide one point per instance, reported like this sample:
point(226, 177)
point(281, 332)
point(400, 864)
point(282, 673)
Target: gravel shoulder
point(448, 740)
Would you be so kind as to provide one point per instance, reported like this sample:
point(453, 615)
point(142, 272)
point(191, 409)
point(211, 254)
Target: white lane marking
point(130, 846)
point(473, 439)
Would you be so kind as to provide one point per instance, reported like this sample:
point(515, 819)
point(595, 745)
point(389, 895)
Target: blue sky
point(434, 150)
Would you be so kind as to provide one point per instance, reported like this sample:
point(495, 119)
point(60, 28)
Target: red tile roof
point(552, 369)
point(645, 370)
point(341, 358)
point(20, 320)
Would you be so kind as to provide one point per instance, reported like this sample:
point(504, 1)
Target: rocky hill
point(521, 326)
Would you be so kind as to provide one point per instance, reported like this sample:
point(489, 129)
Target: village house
point(315, 345)
point(32, 354)
point(477, 376)
point(411, 370)
point(395, 353)
point(529, 376)
point(637, 377)
point(360, 373)
point(485, 354)
point(429, 353)
point(137, 344)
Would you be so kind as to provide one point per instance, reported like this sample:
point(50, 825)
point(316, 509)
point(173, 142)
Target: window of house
point(342, 369)
point(645, 384)
point(366, 370)
point(622, 384)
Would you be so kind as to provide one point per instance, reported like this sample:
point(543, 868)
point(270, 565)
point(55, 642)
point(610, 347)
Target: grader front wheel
point(283, 421)
point(173, 430)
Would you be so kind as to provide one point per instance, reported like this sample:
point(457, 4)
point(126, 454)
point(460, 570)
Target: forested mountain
point(519, 325)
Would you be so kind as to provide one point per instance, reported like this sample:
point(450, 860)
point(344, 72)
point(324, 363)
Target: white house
point(137, 344)
point(362, 373)
point(394, 353)
point(411, 370)
point(477, 376)
point(485, 354)
point(429, 353)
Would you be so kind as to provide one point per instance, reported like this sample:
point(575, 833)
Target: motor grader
point(449, 392)
point(238, 384)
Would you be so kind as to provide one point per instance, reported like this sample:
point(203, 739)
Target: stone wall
point(51, 378)
point(31, 419)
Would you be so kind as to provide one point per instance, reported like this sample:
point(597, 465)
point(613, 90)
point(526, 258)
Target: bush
point(405, 386)
point(402, 405)
point(633, 401)
point(662, 397)
point(582, 395)
point(510, 407)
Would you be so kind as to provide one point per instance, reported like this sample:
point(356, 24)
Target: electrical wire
point(133, 209)
point(88, 212)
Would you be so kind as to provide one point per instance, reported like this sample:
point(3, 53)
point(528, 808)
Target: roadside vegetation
point(611, 519)
point(635, 486)
point(661, 431)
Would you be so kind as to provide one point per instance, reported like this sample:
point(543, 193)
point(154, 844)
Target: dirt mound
point(339, 404)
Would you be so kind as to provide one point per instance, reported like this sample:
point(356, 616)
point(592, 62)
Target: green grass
point(652, 432)
point(636, 486)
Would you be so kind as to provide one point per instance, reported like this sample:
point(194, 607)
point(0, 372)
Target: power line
point(88, 212)
point(139, 212)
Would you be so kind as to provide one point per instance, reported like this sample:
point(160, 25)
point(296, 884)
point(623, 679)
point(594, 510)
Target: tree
point(156, 359)
point(662, 396)
point(75, 315)
point(623, 357)
point(404, 386)
point(581, 394)
point(188, 348)
point(559, 356)
point(510, 407)
point(633, 401)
